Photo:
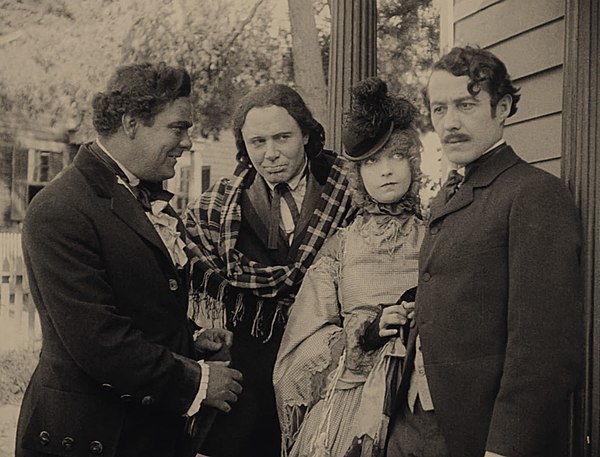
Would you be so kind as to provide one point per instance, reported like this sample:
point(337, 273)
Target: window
point(205, 178)
point(32, 169)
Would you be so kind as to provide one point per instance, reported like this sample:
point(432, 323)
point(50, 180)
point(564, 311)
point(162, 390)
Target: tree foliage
point(407, 45)
point(58, 53)
point(226, 51)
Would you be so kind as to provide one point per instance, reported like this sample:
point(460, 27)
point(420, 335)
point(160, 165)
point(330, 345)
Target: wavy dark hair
point(285, 97)
point(485, 71)
point(142, 90)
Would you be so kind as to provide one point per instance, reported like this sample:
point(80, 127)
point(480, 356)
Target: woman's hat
point(374, 115)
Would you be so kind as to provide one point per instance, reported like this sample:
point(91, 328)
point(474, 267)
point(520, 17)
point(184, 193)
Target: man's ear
point(503, 107)
point(130, 125)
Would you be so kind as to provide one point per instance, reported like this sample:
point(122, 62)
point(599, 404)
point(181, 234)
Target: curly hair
point(485, 71)
point(408, 143)
point(285, 97)
point(141, 90)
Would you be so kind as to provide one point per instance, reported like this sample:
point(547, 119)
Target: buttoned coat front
point(499, 309)
point(116, 372)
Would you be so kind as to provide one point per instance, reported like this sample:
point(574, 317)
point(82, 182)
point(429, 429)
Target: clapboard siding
point(551, 166)
point(541, 94)
point(538, 139)
point(503, 20)
point(533, 51)
point(466, 8)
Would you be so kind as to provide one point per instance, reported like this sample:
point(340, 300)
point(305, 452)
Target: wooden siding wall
point(529, 37)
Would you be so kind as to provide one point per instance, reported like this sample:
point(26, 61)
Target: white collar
point(461, 170)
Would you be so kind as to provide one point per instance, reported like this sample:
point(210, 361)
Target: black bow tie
point(148, 192)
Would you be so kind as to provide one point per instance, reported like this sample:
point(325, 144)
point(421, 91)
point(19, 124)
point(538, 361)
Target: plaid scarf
point(224, 281)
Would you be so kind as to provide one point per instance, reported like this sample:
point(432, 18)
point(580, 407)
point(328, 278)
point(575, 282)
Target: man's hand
point(224, 386)
point(213, 340)
point(394, 316)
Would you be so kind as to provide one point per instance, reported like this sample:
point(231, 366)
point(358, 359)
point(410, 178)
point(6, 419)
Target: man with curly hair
point(254, 235)
point(499, 336)
point(119, 371)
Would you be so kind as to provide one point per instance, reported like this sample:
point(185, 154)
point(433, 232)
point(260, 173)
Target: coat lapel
point(256, 207)
point(126, 208)
point(123, 204)
point(310, 202)
point(480, 174)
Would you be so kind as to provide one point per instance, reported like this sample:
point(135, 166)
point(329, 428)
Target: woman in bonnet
point(333, 381)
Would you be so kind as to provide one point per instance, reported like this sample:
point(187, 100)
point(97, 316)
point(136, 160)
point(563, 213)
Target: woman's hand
point(395, 316)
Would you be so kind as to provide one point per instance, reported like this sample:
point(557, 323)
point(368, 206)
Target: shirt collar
point(295, 181)
point(133, 179)
point(462, 170)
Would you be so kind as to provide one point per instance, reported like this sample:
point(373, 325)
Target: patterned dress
point(329, 389)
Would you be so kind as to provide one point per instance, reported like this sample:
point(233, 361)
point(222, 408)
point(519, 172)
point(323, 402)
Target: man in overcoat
point(119, 371)
point(498, 343)
point(255, 234)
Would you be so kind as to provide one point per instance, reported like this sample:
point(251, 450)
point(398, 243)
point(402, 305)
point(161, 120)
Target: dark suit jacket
point(114, 375)
point(499, 309)
point(252, 427)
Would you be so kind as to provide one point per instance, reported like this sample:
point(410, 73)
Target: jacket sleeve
point(78, 306)
point(312, 342)
point(544, 319)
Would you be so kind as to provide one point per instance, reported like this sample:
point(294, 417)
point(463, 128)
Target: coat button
point(173, 285)
point(96, 447)
point(126, 397)
point(107, 386)
point(147, 400)
point(67, 443)
point(426, 277)
point(434, 230)
point(44, 438)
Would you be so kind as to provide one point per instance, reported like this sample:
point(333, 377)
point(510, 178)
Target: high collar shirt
point(297, 186)
point(164, 224)
point(462, 170)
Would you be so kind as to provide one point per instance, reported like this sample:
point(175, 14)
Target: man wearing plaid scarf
point(251, 239)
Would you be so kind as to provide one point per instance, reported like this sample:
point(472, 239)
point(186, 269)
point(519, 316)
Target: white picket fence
point(19, 322)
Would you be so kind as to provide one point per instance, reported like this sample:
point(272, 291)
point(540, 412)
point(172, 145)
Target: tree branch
point(238, 30)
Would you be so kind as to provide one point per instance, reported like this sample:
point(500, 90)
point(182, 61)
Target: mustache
point(456, 137)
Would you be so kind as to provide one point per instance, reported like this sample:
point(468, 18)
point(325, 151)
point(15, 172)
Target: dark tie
point(280, 190)
point(146, 192)
point(454, 181)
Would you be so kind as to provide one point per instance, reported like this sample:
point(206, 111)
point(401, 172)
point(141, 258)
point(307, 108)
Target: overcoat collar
point(103, 181)
point(480, 173)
